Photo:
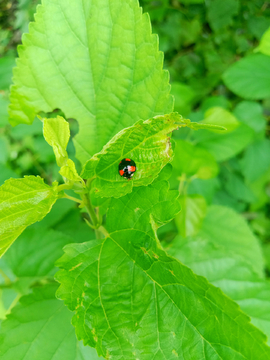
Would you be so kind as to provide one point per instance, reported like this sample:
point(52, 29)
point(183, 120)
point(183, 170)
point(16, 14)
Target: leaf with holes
point(145, 304)
point(131, 300)
point(98, 62)
point(147, 143)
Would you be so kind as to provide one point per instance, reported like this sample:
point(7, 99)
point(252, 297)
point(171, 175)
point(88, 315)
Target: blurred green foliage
point(205, 45)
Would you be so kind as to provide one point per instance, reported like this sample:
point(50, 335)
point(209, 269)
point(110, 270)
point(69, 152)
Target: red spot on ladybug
point(132, 168)
point(127, 168)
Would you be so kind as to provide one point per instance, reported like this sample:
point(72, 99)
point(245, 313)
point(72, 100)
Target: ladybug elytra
point(127, 168)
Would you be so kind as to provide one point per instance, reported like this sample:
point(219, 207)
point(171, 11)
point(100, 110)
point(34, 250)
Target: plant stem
point(72, 198)
point(182, 183)
point(99, 230)
point(8, 282)
point(103, 231)
point(64, 187)
point(90, 209)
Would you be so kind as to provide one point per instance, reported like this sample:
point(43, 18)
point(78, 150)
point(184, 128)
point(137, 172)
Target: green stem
point(64, 187)
point(99, 230)
point(66, 196)
point(98, 234)
point(8, 282)
point(90, 210)
point(182, 183)
point(103, 231)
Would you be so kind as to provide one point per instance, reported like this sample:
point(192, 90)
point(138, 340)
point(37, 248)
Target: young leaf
point(147, 143)
point(39, 328)
point(56, 132)
point(69, 171)
point(146, 304)
point(22, 203)
point(249, 77)
point(102, 68)
point(203, 125)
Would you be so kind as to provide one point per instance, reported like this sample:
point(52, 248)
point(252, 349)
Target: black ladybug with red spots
point(127, 168)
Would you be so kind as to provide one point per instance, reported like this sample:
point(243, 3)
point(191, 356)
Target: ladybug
point(127, 168)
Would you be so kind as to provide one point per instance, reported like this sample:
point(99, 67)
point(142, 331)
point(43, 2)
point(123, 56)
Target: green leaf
point(3, 111)
point(22, 130)
point(251, 113)
point(193, 1)
point(146, 142)
point(145, 209)
point(102, 68)
point(259, 188)
point(35, 252)
point(226, 145)
point(193, 161)
point(189, 220)
point(206, 188)
point(213, 102)
point(264, 46)
point(231, 273)
point(69, 171)
point(56, 132)
point(202, 126)
point(220, 13)
point(233, 233)
point(184, 97)
point(4, 151)
point(22, 203)
point(6, 173)
point(236, 187)
point(58, 212)
point(73, 225)
point(6, 65)
point(39, 328)
point(256, 159)
point(249, 77)
point(219, 116)
point(140, 303)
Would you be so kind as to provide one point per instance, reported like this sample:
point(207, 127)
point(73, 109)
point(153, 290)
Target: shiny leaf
point(56, 132)
point(101, 66)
